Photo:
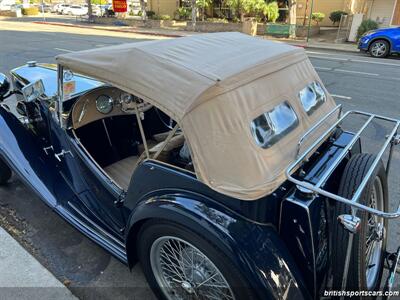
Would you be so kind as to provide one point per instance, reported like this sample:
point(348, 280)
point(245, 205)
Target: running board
point(95, 235)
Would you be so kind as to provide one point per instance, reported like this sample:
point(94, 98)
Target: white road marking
point(356, 72)
point(375, 62)
point(329, 58)
point(64, 50)
point(323, 69)
point(345, 71)
point(341, 97)
point(320, 55)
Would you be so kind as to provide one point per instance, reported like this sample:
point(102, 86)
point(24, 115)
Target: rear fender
point(255, 249)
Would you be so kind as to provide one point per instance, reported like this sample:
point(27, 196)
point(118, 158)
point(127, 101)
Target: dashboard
point(104, 102)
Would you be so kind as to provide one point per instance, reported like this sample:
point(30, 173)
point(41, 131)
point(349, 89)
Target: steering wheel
point(165, 119)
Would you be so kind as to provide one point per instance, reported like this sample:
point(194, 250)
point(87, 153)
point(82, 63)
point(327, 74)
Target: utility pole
point(143, 9)
point(194, 14)
point(305, 13)
point(309, 20)
point(89, 3)
point(292, 18)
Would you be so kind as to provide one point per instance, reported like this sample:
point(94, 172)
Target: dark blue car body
point(280, 258)
point(390, 35)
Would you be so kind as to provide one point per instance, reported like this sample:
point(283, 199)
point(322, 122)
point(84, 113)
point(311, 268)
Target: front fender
point(256, 250)
point(381, 37)
point(22, 152)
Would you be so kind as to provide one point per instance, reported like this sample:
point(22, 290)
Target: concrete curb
point(109, 29)
point(23, 277)
point(323, 47)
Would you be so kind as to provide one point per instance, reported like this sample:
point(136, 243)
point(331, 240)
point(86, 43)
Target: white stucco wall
point(382, 11)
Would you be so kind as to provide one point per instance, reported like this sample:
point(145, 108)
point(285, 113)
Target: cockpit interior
point(119, 130)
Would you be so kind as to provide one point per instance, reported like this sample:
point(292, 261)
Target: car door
point(96, 200)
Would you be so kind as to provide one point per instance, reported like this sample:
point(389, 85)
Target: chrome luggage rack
point(391, 140)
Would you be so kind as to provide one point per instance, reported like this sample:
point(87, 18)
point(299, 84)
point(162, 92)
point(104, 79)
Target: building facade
point(163, 7)
point(385, 12)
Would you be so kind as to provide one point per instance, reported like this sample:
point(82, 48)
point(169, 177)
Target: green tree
point(271, 11)
point(203, 5)
point(254, 8)
point(235, 6)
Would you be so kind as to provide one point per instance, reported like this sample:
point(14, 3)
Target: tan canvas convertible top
point(214, 85)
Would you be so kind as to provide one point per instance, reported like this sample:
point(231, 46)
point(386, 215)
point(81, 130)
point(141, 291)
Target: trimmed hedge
point(30, 11)
point(317, 17)
point(336, 15)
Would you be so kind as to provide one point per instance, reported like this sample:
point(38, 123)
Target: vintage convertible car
point(219, 161)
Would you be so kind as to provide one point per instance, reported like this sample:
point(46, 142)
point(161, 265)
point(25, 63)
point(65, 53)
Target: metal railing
point(391, 140)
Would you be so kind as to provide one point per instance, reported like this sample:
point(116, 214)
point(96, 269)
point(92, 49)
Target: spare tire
point(369, 244)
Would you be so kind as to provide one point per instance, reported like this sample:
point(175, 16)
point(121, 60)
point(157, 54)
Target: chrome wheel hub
point(378, 49)
point(187, 287)
point(184, 272)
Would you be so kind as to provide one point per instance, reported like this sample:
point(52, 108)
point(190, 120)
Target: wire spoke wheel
point(184, 272)
point(374, 238)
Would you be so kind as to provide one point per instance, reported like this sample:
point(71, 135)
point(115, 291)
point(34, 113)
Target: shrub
point(317, 17)
point(366, 25)
point(271, 11)
point(217, 20)
point(183, 13)
point(161, 17)
point(165, 17)
point(150, 14)
point(336, 15)
point(30, 11)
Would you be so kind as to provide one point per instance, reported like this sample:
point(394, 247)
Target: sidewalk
point(348, 47)
point(146, 31)
point(23, 277)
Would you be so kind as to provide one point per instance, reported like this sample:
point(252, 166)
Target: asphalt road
point(356, 80)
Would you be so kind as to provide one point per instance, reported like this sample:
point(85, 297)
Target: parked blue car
point(381, 42)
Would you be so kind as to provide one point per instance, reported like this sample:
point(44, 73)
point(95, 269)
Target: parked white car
point(61, 8)
point(76, 10)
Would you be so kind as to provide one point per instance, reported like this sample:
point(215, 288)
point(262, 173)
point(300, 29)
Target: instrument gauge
point(104, 104)
point(126, 98)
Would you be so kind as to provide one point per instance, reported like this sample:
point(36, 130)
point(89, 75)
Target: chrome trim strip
point(60, 79)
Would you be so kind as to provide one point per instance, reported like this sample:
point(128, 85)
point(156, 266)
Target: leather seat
point(121, 171)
